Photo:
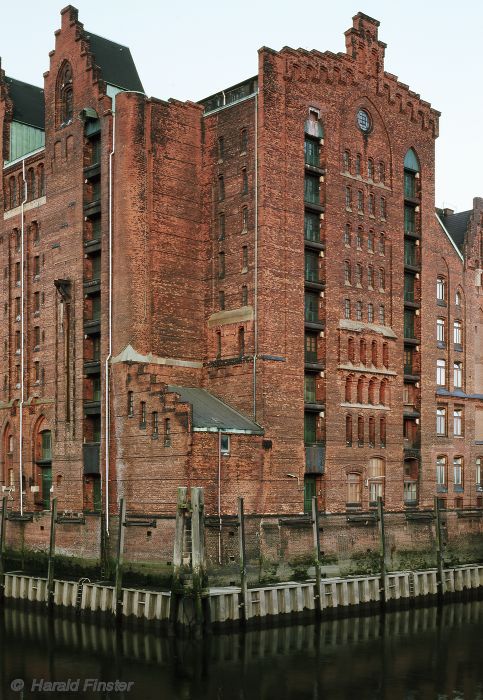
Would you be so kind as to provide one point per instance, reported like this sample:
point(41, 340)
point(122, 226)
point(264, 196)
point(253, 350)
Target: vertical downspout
point(219, 496)
point(22, 343)
point(109, 351)
point(255, 291)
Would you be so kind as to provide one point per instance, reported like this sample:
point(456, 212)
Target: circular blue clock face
point(363, 121)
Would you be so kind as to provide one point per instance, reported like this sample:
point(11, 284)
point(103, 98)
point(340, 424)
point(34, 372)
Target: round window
point(363, 121)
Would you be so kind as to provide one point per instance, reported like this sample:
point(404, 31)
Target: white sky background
point(193, 48)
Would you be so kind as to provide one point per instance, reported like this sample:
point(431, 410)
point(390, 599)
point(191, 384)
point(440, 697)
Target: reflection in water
point(413, 655)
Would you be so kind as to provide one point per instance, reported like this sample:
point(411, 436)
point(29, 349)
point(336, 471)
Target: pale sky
point(191, 49)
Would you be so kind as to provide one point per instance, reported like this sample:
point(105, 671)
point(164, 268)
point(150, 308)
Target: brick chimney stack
point(363, 45)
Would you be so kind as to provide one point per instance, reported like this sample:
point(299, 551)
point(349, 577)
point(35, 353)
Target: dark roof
point(456, 225)
point(115, 62)
point(28, 103)
point(211, 414)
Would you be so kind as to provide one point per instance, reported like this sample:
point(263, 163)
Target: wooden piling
point(50, 571)
point(3, 525)
point(243, 563)
point(316, 534)
point(176, 583)
point(380, 517)
point(119, 557)
point(439, 551)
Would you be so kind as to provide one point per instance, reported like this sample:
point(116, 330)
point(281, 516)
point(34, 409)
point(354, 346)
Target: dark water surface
point(415, 654)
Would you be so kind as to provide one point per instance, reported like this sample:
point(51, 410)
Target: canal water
point(419, 654)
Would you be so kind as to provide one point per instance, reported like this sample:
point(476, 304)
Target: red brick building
point(252, 293)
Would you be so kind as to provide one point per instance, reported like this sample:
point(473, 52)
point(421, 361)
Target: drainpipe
point(219, 496)
point(109, 351)
point(22, 343)
point(255, 284)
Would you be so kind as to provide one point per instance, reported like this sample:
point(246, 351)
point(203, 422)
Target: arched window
point(348, 390)
point(360, 390)
point(348, 431)
point(65, 94)
point(12, 192)
point(354, 489)
point(31, 184)
point(313, 125)
point(411, 161)
point(385, 355)
point(346, 161)
point(347, 272)
point(370, 169)
point(21, 189)
point(382, 432)
point(41, 180)
point(360, 431)
point(374, 353)
point(372, 431)
point(8, 475)
point(350, 350)
point(362, 351)
point(383, 393)
point(372, 391)
point(441, 470)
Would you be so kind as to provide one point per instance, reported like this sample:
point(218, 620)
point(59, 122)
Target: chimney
point(362, 44)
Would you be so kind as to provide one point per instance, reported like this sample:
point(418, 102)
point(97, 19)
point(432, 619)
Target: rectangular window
point(245, 258)
point(311, 266)
point(96, 389)
point(312, 152)
point(142, 418)
point(243, 140)
point(370, 241)
point(457, 375)
point(309, 388)
point(221, 226)
point(17, 308)
point(409, 184)
point(221, 148)
point(409, 219)
point(359, 311)
point(348, 198)
point(36, 337)
point(409, 288)
point(359, 238)
point(382, 244)
point(370, 277)
point(311, 307)
point(244, 296)
point(408, 361)
point(458, 471)
point(441, 421)
point(410, 491)
point(371, 205)
point(17, 341)
point(458, 422)
point(479, 473)
point(36, 269)
point(360, 201)
point(225, 444)
point(347, 308)
point(218, 343)
point(36, 302)
point(440, 330)
point(130, 404)
point(410, 253)
point(441, 471)
point(383, 208)
point(221, 188)
point(311, 348)
point(382, 315)
point(36, 372)
point(370, 313)
point(408, 323)
point(441, 372)
point(155, 424)
point(167, 432)
point(312, 227)
point(440, 289)
point(96, 348)
point(244, 219)
point(457, 333)
point(244, 181)
point(312, 189)
point(221, 300)
point(359, 275)
point(382, 280)
point(221, 265)
point(354, 489)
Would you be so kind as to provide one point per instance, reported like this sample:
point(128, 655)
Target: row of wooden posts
point(190, 580)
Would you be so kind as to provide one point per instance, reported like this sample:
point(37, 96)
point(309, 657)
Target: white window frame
point(458, 422)
point(440, 330)
point(457, 375)
point(440, 289)
point(441, 464)
point(458, 471)
point(441, 421)
point(441, 372)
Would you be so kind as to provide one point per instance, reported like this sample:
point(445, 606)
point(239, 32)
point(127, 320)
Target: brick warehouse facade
point(252, 293)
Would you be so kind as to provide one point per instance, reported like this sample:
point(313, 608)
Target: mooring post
point(316, 533)
point(3, 525)
point(439, 551)
point(198, 554)
point(245, 613)
point(380, 517)
point(176, 583)
point(50, 571)
point(119, 557)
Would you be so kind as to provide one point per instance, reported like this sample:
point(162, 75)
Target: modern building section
point(252, 293)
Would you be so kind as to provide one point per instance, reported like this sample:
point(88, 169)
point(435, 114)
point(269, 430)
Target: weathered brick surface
point(168, 322)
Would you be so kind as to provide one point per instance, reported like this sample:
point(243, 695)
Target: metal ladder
point(411, 584)
point(80, 589)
